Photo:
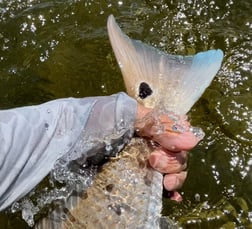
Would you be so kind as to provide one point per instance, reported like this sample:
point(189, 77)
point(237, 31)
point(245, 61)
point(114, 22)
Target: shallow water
point(52, 49)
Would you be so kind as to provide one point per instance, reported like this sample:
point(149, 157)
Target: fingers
point(168, 162)
point(174, 181)
point(177, 141)
point(173, 165)
point(171, 131)
point(174, 195)
point(174, 135)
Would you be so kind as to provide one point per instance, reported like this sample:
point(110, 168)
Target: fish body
point(127, 193)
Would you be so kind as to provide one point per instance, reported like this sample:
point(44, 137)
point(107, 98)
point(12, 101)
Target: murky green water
point(52, 49)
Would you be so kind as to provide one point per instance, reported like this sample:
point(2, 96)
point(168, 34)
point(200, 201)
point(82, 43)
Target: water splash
point(28, 212)
point(63, 181)
point(198, 132)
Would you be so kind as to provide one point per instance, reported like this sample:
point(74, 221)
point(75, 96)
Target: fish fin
point(158, 79)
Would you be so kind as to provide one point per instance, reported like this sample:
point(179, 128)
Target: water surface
point(54, 49)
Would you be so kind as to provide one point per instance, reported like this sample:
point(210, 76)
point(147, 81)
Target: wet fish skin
point(127, 193)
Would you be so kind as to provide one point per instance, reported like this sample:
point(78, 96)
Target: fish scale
point(126, 193)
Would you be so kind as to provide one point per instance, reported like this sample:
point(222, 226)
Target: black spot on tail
point(144, 90)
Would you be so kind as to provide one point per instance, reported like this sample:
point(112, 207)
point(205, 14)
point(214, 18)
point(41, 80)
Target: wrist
point(141, 122)
point(142, 111)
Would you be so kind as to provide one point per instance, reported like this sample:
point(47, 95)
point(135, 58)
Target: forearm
point(34, 138)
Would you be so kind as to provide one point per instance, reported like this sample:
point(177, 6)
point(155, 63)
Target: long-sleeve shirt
point(33, 138)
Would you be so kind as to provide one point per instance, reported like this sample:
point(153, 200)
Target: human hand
point(172, 137)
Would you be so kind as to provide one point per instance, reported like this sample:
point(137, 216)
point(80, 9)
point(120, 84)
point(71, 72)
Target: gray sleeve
point(33, 138)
